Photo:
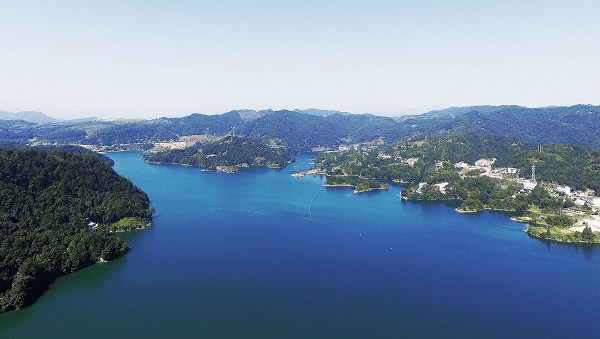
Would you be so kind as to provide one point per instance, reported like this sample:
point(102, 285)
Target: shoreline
point(559, 240)
point(218, 169)
point(312, 171)
point(133, 229)
point(530, 222)
point(484, 209)
point(355, 190)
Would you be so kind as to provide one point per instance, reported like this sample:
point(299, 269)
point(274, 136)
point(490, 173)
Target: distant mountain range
point(577, 124)
point(301, 130)
point(36, 117)
point(248, 114)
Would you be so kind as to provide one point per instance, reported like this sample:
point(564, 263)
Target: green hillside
point(227, 154)
point(47, 202)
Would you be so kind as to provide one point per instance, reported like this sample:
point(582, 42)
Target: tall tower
point(533, 173)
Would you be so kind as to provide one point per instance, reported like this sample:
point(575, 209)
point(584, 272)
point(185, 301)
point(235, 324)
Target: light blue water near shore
point(238, 255)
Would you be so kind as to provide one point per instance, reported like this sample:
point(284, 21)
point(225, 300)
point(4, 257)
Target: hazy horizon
point(409, 111)
point(183, 114)
point(147, 59)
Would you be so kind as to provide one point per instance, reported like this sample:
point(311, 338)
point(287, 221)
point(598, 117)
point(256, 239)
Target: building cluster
point(509, 173)
point(580, 198)
point(483, 165)
point(363, 147)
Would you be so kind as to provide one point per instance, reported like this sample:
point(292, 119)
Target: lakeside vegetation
point(55, 208)
point(227, 154)
point(129, 224)
point(359, 184)
point(563, 234)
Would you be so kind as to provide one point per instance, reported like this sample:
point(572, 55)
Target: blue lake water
point(263, 254)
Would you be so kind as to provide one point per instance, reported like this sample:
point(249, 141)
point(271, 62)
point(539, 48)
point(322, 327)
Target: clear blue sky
point(172, 58)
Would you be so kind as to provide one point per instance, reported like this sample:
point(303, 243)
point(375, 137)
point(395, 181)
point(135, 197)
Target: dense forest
point(72, 149)
point(300, 132)
point(48, 202)
point(21, 132)
point(227, 152)
point(571, 165)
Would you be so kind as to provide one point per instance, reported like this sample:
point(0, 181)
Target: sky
point(146, 59)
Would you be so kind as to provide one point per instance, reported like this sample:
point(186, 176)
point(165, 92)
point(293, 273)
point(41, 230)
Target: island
point(227, 154)
point(58, 213)
point(359, 184)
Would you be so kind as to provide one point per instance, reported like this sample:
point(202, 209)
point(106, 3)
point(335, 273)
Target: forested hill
point(47, 200)
point(149, 131)
point(225, 154)
point(571, 165)
point(301, 132)
point(391, 162)
point(551, 125)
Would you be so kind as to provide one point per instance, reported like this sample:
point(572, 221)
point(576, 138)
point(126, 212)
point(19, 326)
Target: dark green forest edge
point(228, 155)
point(58, 211)
point(427, 166)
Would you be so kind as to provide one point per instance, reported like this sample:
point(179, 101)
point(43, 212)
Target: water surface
point(263, 254)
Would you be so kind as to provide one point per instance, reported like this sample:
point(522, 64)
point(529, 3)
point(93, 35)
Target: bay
point(263, 254)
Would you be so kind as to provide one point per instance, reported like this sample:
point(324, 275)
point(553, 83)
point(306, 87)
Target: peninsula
point(57, 212)
point(359, 184)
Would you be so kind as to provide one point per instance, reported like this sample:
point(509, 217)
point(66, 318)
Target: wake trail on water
point(284, 215)
point(310, 216)
point(310, 208)
point(244, 211)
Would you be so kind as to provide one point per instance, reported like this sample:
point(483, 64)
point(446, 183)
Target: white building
point(442, 187)
point(411, 161)
point(529, 185)
point(484, 162)
point(566, 190)
point(594, 201)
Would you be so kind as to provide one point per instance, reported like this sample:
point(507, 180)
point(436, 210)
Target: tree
point(587, 234)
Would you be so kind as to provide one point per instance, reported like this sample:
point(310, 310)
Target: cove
point(263, 254)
